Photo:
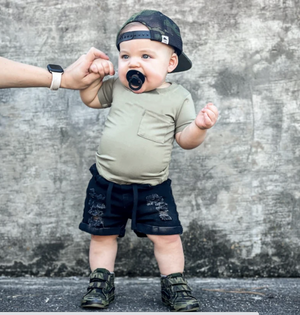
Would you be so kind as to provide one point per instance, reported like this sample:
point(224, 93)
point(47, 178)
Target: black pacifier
point(135, 79)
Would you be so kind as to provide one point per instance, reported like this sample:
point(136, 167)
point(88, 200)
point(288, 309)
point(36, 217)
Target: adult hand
point(77, 76)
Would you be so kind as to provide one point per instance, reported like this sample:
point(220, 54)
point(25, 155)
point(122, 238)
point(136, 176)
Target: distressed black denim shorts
point(108, 206)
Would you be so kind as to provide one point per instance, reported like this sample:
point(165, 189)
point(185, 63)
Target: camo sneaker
point(176, 293)
point(101, 290)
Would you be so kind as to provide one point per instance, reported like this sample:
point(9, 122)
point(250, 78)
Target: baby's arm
point(194, 134)
point(89, 96)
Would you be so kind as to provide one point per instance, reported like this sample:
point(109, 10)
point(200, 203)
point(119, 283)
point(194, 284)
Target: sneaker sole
point(96, 305)
point(189, 308)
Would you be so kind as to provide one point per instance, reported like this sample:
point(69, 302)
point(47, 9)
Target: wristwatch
point(57, 72)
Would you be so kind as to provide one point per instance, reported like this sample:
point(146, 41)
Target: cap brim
point(184, 63)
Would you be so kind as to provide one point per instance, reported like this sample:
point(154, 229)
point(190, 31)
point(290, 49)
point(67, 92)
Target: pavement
point(265, 296)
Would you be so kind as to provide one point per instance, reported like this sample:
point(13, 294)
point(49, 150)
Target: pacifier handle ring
point(132, 86)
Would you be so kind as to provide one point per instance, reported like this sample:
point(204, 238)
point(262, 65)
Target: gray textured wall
point(238, 194)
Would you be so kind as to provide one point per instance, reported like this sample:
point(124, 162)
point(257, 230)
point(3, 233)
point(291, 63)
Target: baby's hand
point(207, 117)
point(103, 67)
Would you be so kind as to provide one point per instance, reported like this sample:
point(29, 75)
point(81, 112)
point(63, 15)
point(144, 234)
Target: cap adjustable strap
point(133, 35)
point(153, 35)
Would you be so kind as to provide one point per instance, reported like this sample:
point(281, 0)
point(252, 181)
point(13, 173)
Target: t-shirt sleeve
point(105, 93)
point(186, 114)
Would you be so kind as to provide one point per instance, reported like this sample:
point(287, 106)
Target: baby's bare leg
point(103, 251)
point(168, 253)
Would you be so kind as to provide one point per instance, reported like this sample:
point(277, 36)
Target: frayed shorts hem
point(120, 231)
point(141, 230)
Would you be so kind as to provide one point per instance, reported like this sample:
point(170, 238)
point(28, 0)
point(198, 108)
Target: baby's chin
point(140, 91)
point(143, 89)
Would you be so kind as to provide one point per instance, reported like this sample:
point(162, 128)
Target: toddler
point(130, 177)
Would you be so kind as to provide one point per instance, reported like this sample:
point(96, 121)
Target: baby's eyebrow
point(147, 51)
point(141, 51)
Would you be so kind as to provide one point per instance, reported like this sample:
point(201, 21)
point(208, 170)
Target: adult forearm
point(15, 74)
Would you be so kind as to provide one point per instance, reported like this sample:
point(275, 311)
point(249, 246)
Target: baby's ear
point(173, 62)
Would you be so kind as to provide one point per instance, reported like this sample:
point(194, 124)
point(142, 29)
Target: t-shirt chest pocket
point(156, 128)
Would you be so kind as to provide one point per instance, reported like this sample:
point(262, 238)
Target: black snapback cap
point(161, 29)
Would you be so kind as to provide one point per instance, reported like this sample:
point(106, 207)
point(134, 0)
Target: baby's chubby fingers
point(207, 117)
point(103, 67)
point(211, 112)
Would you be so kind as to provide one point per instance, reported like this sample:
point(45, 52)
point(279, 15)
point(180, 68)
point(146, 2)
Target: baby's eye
point(145, 56)
point(124, 56)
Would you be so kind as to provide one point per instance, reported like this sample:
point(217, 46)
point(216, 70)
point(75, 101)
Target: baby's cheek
point(123, 79)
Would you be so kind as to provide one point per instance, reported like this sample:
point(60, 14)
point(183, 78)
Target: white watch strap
point(56, 79)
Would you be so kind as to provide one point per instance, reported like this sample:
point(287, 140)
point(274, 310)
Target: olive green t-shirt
point(139, 132)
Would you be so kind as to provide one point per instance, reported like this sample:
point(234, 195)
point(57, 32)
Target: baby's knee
point(103, 238)
point(165, 239)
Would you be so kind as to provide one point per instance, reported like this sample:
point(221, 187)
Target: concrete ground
point(280, 296)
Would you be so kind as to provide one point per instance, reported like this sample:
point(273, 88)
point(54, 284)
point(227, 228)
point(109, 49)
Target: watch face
point(55, 68)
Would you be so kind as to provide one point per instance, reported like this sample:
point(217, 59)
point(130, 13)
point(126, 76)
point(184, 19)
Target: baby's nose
point(134, 63)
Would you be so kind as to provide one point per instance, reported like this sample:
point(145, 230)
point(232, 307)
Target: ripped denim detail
point(157, 202)
point(96, 209)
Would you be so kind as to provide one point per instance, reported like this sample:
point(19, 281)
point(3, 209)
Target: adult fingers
point(94, 53)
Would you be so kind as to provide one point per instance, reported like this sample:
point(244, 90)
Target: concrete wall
point(237, 194)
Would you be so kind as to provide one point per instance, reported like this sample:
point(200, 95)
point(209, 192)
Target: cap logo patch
point(165, 39)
